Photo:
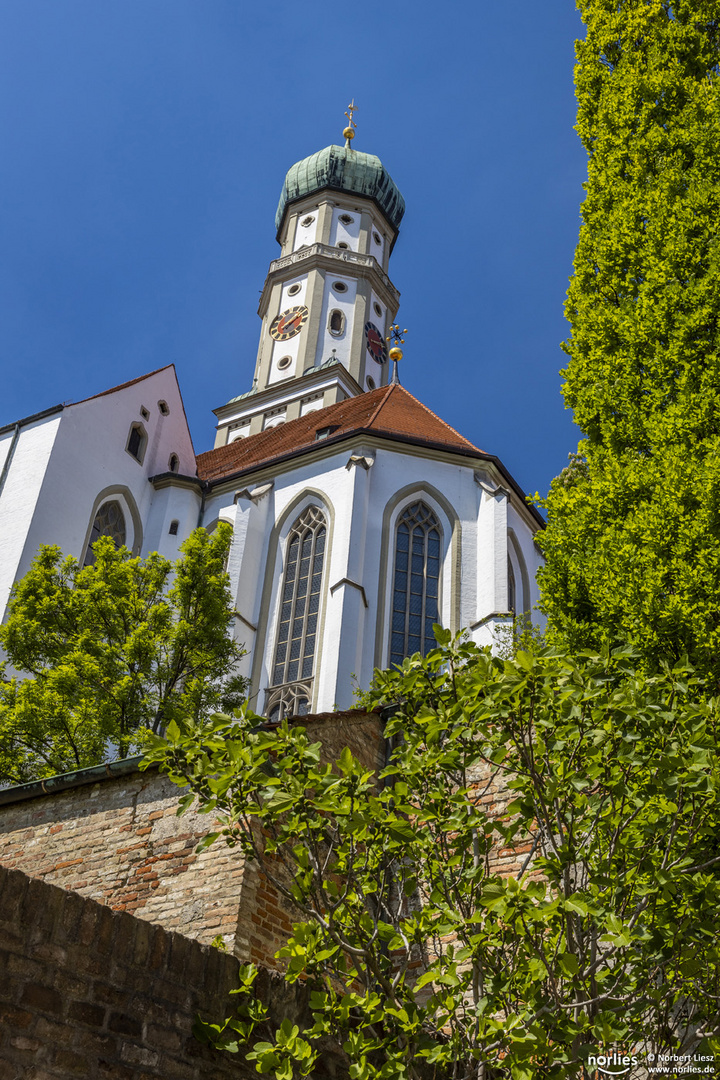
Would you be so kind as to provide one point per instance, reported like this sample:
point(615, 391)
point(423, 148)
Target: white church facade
point(360, 518)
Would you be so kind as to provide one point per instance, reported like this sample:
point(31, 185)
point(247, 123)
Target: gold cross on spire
point(395, 353)
point(349, 131)
point(396, 335)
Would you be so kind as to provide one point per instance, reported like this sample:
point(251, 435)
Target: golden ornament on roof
point(349, 131)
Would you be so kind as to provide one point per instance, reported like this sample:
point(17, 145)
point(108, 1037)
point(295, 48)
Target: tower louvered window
point(416, 582)
point(291, 689)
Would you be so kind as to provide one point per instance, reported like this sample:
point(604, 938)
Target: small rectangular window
point(174, 528)
point(135, 442)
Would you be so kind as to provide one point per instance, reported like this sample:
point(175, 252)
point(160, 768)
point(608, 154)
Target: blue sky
point(144, 146)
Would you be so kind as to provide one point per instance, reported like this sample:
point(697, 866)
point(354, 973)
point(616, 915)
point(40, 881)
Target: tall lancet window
point(511, 589)
point(291, 689)
point(416, 582)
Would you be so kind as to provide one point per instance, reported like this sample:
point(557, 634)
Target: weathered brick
point(15, 885)
point(167, 1039)
point(43, 998)
point(16, 1019)
point(122, 1024)
point(105, 994)
point(53, 1032)
point(84, 1012)
point(138, 1055)
point(71, 1063)
point(25, 1044)
point(112, 1070)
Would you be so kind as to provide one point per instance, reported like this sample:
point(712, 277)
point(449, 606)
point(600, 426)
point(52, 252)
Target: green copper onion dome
point(340, 168)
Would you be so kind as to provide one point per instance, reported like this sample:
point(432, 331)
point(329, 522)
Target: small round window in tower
point(370, 382)
point(336, 322)
point(339, 286)
point(307, 221)
point(346, 219)
point(163, 408)
point(344, 246)
point(284, 362)
point(294, 290)
point(377, 238)
point(377, 309)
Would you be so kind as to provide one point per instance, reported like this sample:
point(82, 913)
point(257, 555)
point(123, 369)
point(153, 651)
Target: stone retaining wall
point(97, 994)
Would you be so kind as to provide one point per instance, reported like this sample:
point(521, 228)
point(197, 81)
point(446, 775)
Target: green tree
point(108, 650)
point(424, 957)
point(633, 538)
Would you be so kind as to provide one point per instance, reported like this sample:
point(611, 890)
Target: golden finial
point(349, 131)
point(395, 353)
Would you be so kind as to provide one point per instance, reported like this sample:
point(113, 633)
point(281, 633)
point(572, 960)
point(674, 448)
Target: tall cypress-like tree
point(633, 538)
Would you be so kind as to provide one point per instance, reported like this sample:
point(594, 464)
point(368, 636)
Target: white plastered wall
point(340, 301)
point(342, 232)
point(69, 465)
point(306, 229)
point(31, 454)
point(292, 345)
point(362, 506)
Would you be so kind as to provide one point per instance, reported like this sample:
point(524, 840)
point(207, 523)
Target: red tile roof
point(124, 386)
point(389, 411)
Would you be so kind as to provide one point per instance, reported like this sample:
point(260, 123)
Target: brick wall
point(119, 841)
point(97, 994)
point(269, 918)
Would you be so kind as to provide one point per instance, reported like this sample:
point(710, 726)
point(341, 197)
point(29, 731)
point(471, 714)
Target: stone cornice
point(334, 260)
point(178, 480)
point(289, 389)
point(402, 444)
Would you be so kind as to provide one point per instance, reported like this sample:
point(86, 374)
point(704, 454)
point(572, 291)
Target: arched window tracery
point(109, 521)
point(416, 582)
point(295, 648)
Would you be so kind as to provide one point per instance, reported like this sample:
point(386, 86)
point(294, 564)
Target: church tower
point(327, 302)
point(360, 518)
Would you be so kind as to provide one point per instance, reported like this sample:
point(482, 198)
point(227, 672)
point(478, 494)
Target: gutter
point(79, 778)
point(31, 419)
point(397, 437)
point(15, 428)
point(9, 457)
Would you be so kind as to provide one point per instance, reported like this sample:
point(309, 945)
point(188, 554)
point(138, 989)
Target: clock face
point(376, 345)
point(288, 323)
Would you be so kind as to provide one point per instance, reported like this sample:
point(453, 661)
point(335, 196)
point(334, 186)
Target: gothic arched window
point(300, 607)
point(109, 521)
point(416, 582)
point(511, 590)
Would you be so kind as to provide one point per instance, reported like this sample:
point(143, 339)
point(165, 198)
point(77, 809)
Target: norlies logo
point(612, 1064)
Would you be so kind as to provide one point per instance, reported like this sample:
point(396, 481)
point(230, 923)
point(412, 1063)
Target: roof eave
point(412, 440)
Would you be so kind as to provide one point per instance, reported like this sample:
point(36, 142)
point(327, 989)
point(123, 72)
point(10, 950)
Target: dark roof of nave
point(389, 411)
